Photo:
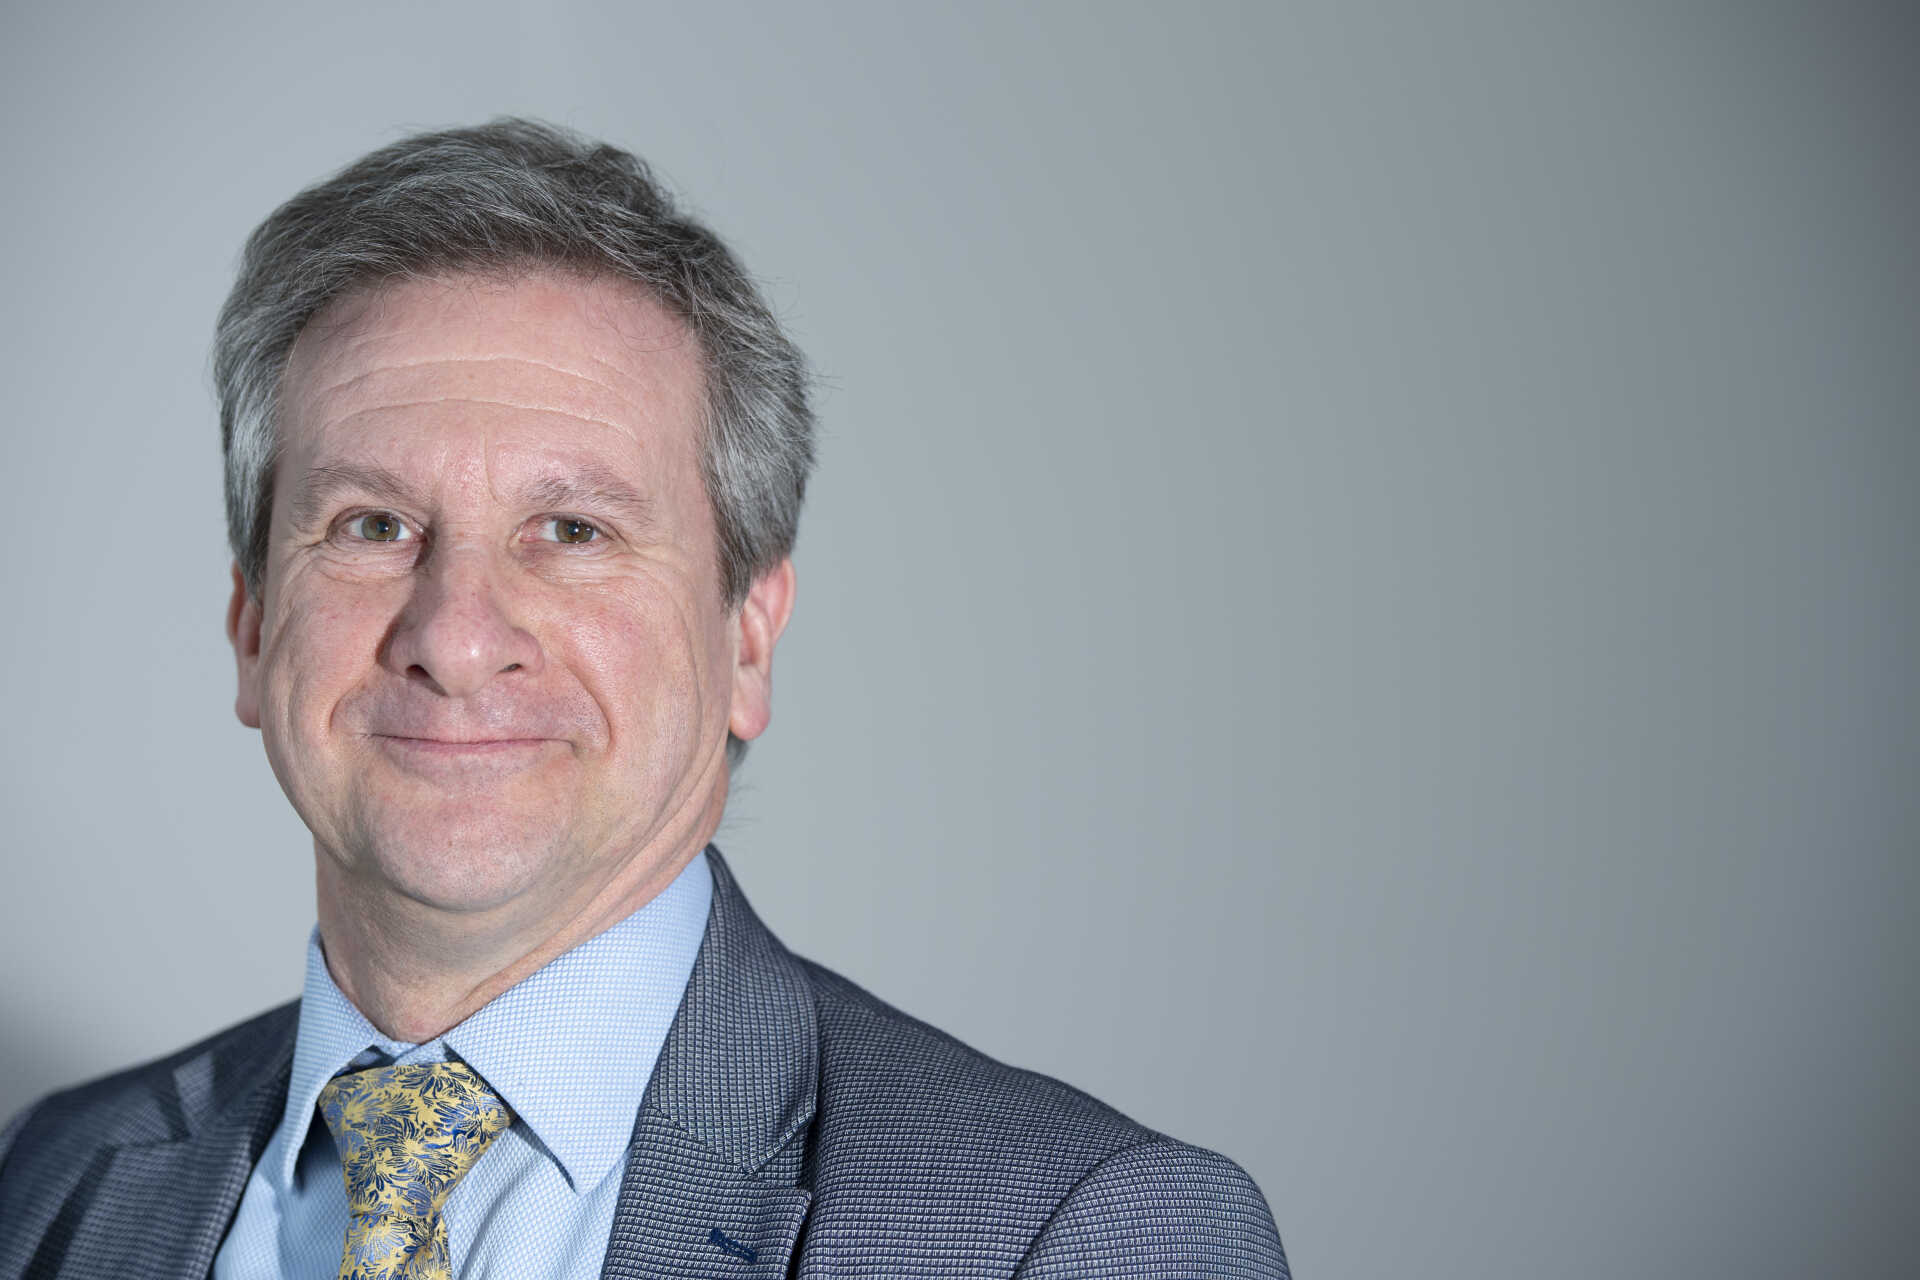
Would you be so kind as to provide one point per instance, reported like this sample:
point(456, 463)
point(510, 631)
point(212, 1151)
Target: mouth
point(457, 746)
point(455, 742)
point(449, 759)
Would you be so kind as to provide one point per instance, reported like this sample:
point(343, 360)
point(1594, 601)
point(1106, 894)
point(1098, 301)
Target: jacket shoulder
point(885, 1066)
point(1160, 1208)
point(921, 1141)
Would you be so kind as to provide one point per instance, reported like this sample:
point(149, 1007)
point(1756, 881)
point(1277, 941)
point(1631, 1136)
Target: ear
point(763, 616)
point(243, 632)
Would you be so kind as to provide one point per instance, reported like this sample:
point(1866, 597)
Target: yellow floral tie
point(406, 1136)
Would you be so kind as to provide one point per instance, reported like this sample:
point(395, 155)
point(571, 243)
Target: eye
point(567, 529)
point(380, 526)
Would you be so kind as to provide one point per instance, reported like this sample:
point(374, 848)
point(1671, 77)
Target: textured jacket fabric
point(793, 1126)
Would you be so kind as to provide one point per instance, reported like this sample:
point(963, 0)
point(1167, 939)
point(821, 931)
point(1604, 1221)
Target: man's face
point(490, 662)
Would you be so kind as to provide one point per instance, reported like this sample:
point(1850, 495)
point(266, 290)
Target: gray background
point(1359, 601)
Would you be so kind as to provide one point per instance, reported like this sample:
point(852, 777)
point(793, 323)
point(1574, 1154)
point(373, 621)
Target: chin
point(465, 861)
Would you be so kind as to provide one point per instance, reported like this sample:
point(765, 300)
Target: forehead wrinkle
point(546, 410)
point(401, 366)
point(368, 322)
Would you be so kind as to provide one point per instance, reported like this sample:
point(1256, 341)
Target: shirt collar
point(570, 1048)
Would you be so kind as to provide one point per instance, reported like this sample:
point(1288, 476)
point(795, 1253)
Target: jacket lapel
point(161, 1208)
point(709, 1188)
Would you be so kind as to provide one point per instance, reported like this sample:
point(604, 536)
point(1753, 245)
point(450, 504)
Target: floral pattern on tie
point(406, 1135)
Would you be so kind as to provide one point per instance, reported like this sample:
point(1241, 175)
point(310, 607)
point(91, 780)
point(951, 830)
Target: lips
point(466, 763)
point(429, 743)
point(398, 720)
point(470, 729)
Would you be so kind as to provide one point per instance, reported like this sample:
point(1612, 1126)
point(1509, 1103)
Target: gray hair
point(504, 196)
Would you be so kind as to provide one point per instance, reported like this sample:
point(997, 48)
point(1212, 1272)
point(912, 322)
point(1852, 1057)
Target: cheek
point(657, 668)
point(318, 652)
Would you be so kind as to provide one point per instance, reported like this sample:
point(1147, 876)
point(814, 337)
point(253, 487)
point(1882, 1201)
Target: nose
point(457, 631)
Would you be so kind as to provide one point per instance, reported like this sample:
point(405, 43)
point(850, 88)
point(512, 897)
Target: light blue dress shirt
point(570, 1049)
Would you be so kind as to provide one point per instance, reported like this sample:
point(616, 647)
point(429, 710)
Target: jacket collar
point(740, 1066)
point(709, 1184)
point(161, 1208)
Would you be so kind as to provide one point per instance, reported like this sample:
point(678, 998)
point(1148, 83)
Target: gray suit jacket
point(794, 1126)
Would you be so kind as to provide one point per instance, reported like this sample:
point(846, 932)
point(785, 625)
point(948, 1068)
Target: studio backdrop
point(1358, 600)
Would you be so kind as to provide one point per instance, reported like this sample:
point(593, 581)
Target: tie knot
point(407, 1134)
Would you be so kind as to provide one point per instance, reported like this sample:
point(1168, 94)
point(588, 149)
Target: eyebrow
point(588, 486)
point(321, 487)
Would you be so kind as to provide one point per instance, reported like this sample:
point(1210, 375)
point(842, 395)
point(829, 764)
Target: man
point(515, 456)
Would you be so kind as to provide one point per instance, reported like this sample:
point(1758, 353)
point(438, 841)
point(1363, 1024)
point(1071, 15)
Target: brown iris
point(379, 527)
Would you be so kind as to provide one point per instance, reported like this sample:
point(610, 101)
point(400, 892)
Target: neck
point(417, 970)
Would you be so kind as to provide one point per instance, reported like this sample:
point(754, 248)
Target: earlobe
point(243, 633)
point(763, 616)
